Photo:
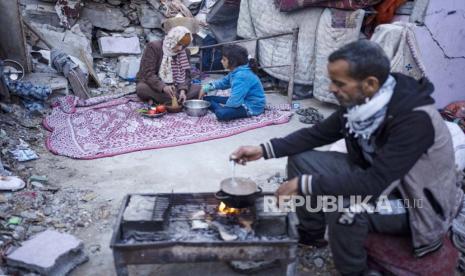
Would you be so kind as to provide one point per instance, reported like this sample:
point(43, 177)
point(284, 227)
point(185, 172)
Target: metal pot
point(196, 108)
point(238, 201)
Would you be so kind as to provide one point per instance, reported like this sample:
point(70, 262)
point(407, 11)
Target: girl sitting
point(247, 95)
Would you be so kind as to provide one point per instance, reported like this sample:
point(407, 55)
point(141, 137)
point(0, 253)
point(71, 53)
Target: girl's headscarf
point(174, 65)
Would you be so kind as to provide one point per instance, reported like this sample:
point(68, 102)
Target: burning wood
point(225, 210)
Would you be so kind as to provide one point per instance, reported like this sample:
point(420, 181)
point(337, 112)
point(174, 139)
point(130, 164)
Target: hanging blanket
point(108, 126)
point(292, 5)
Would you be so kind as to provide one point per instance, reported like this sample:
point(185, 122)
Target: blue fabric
point(225, 113)
point(246, 90)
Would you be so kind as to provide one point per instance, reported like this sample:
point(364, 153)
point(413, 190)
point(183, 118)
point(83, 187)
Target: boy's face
point(225, 62)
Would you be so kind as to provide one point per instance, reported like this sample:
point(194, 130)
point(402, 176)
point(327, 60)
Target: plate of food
point(153, 112)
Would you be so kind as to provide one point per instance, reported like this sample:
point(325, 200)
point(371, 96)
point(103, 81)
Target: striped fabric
point(179, 65)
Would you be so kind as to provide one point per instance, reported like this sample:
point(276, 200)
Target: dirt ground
point(90, 191)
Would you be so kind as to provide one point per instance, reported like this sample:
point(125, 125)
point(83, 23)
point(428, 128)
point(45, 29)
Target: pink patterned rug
point(110, 125)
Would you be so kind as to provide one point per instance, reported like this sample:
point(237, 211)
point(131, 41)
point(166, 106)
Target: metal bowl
point(196, 108)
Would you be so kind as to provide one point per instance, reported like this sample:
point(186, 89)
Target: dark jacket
point(413, 153)
point(150, 65)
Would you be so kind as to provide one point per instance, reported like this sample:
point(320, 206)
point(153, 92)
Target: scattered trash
point(23, 152)
point(38, 178)
point(32, 95)
point(14, 221)
point(11, 183)
point(88, 197)
point(63, 63)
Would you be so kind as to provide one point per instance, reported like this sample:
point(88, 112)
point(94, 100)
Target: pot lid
point(238, 186)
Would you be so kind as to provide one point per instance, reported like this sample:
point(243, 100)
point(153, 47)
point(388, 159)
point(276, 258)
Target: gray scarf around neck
point(364, 119)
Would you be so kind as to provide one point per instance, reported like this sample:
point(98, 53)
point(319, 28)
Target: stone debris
point(111, 46)
point(149, 18)
point(128, 67)
point(49, 253)
point(105, 17)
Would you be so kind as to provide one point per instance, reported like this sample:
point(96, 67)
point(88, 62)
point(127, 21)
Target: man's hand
point(288, 188)
point(182, 96)
point(246, 153)
point(170, 90)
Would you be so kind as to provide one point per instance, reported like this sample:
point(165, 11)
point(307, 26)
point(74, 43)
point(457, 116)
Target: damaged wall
point(12, 44)
point(442, 44)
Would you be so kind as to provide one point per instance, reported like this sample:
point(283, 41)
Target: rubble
point(128, 67)
point(111, 46)
point(149, 18)
point(105, 17)
point(23, 152)
point(58, 83)
point(49, 253)
point(72, 42)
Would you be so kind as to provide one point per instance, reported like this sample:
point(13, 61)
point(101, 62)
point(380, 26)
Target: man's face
point(348, 91)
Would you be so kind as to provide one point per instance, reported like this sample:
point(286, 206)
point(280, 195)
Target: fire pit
point(175, 228)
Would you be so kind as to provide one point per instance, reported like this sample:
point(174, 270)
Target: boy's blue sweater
point(246, 90)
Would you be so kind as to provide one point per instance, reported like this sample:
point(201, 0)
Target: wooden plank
point(38, 34)
point(92, 72)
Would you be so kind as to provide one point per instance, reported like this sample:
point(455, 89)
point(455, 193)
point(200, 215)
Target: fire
point(225, 210)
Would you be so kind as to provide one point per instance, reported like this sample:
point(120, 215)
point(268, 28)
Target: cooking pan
point(238, 201)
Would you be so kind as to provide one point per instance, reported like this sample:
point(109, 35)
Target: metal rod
point(262, 67)
point(290, 89)
point(244, 40)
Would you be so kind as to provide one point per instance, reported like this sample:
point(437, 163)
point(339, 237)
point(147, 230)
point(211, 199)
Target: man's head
point(357, 71)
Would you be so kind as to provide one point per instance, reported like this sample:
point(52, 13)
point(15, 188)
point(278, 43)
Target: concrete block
point(128, 67)
point(48, 253)
point(111, 46)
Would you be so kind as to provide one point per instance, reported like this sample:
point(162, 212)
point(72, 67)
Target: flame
point(225, 210)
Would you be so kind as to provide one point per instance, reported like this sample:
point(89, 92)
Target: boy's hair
point(237, 56)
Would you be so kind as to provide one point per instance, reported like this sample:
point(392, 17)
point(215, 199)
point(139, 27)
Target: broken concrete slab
point(149, 18)
point(49, 253)
point(72, 42)
point(111, 46)
point(41, 13)
point(105, 17)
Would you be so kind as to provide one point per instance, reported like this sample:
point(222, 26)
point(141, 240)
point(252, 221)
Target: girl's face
point(225, 62)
